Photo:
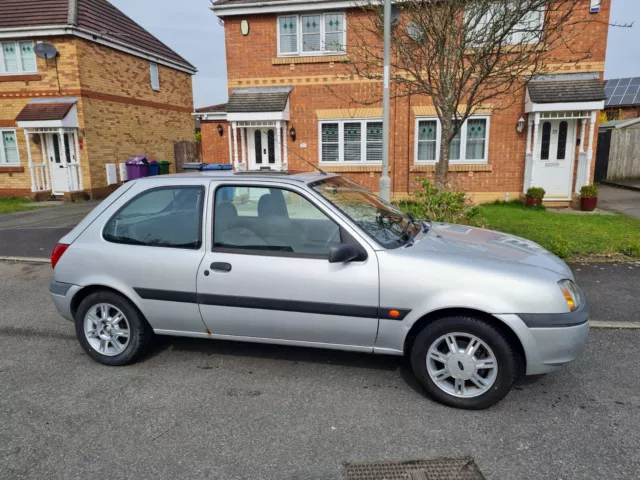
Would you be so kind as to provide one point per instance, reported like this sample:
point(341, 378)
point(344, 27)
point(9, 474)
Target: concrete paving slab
point(619, 200)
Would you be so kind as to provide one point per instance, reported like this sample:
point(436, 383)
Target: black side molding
point(166, 295)
point(321, 308)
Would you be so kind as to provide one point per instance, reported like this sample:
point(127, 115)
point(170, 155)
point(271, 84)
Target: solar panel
point(622, 91)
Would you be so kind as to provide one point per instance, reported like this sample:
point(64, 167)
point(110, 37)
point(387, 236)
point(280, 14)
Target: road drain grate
point(437, 469)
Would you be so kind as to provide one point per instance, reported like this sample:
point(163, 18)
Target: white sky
point(192, 30)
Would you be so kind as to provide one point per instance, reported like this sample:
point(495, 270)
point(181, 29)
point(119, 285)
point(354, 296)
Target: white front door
point(58, 162)
point(556, 149)
point(262, 144)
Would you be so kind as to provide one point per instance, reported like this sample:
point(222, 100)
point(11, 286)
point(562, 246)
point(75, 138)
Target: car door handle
point(221, 266)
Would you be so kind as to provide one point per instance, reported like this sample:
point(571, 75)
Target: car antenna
point(322, 172)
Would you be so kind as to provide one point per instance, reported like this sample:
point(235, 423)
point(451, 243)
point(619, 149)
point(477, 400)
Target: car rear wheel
point(464, 362)
point(110, 329)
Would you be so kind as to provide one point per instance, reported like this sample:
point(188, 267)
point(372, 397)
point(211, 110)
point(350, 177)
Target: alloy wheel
point(462, 365)
point(107, 329)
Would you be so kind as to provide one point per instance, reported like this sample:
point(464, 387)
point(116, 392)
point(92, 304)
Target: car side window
point(271, 220)
point(161, 217)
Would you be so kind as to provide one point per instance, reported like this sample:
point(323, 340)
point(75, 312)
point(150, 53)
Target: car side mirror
point(343, 252)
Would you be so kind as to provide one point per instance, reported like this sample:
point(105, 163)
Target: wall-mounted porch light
point(220, 129)
point(520, 125)
point(292, 132)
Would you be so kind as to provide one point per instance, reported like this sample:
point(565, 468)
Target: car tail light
point(56, 255)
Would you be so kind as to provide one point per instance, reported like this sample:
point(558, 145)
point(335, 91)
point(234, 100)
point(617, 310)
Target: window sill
point(11, 169)
point(19, 77)
point(350, 168)
point(453, 167)
point(329, 58)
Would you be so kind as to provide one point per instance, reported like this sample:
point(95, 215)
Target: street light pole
point(385, 181)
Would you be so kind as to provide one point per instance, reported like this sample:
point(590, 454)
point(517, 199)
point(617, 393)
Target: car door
point(266, 274)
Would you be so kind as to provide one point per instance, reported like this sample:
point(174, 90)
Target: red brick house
point(112, 90)
point(281, 57)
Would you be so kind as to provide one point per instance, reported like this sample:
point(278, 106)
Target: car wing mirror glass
point(343, 252)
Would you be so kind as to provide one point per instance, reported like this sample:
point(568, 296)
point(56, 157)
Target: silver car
point(316, 260)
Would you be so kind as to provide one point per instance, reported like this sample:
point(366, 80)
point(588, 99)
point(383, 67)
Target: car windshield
point(379, 219)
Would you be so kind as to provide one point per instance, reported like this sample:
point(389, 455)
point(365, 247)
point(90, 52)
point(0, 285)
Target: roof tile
point(44, 111)
point(97, 16)
point(563, 91)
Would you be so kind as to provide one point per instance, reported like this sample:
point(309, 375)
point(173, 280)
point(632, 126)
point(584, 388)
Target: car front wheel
point(464, 362)
point(110, 329)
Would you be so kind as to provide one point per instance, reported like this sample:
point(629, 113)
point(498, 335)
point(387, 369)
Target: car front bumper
point(62, 294)
point(550, 341)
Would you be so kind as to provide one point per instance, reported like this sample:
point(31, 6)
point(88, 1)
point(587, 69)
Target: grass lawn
point(14, 204)
point(570, 236)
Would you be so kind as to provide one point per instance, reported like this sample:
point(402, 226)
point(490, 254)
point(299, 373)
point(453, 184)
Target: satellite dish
point(45, 50)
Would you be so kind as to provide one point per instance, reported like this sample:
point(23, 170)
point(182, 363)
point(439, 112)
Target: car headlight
point(571, 294)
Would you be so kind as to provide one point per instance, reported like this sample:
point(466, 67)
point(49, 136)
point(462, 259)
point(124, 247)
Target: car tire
point(131, 332)
point(487, 386)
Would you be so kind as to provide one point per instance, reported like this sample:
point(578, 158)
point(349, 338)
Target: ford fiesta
point(316, 260)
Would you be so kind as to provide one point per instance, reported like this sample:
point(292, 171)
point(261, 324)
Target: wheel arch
point(505, 329)
point(84, 292)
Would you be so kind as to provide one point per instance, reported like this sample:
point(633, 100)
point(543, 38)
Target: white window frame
point(463, 141)
point(363, 140)
point(511, 35)
point(299, 52)
point(3, 160)
point(21, 70)
point(154, 85)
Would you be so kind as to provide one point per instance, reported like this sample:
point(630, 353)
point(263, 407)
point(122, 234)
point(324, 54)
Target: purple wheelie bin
point(137, 167)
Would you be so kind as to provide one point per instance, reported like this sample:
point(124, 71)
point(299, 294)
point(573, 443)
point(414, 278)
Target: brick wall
point(215, 148)
point(626, 113)
point(15, 94)
point(119, 114)
point(252, 61)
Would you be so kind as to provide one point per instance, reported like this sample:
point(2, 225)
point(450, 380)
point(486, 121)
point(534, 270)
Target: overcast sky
point(192, 30)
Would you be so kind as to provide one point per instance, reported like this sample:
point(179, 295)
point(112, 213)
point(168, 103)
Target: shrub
point(536, 193)
point(443, 205)
point(589, 191)
point(559, 246)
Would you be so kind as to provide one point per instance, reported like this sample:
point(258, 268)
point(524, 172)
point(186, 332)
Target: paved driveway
point(619, 200)
point(223, 410)
point(34, 233)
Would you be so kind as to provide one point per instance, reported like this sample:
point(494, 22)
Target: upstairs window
point(486, 20)
point(155, 76)
point(17, 57)
point(311, 34)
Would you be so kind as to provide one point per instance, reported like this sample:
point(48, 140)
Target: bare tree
point(468, 54)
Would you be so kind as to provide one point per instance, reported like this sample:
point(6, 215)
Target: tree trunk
point(442, 168)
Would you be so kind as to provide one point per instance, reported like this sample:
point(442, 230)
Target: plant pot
point(588, 204)
point(530, 202)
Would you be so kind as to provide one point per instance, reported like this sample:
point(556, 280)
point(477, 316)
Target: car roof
point(301, 177)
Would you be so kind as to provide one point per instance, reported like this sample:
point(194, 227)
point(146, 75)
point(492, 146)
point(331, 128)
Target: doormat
point(436, 469)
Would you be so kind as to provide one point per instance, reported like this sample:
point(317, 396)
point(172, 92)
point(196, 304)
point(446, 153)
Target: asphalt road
point(215, 410)
point(34, 233)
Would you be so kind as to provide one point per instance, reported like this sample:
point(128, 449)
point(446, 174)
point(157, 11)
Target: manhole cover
point(437, 469)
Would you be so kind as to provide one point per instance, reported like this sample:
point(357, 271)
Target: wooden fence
point(186, 152)
point(624, 154)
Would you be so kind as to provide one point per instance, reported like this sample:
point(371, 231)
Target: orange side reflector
point(394, 313)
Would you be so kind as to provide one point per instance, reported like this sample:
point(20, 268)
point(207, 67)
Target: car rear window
point(161, 217)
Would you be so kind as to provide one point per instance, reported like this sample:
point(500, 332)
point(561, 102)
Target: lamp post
point(385, 181)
